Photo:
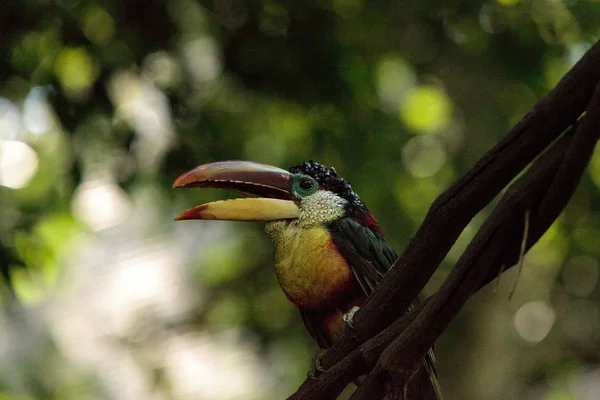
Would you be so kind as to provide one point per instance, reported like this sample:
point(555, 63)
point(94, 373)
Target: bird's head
point(307, 194)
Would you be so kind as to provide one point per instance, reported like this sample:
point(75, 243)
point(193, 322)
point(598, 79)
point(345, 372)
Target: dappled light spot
point(161, 69)
point(143, 277)
point(554, 70)
point(423, 156)
point(203, 59)
point(75, 71)
point(550, 250)
point(459, 31)
point(585, 385)
point(576, 51)
point(32, 287)
point(147, 110)
point(98, 25)
point(43, 250)
point(395, 77)
point(426, 108)
point(533, 321)
point(100, 204)
point(18, 164)
point(37, 117)
point(580, 276)
point(10, 120)
point(219, 367)
point(554, 20)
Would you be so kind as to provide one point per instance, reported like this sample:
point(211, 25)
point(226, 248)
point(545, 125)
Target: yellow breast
point(310, 270)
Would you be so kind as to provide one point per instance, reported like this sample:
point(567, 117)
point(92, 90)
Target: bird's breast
point(310, 270)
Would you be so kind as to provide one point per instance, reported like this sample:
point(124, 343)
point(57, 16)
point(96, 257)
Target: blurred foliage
point(103, 103)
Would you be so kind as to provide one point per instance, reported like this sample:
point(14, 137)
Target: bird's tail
point(422, 385)
point(429, 384)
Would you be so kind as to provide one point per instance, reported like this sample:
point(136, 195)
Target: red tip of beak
point(195, 213)
point(188, 179)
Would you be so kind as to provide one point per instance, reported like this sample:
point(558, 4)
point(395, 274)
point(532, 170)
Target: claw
point(349, 316)
point(315, 366)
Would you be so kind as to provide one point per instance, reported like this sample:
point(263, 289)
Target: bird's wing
point(370, 256)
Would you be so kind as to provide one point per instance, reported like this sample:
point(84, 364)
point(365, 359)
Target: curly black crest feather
point(328, 179)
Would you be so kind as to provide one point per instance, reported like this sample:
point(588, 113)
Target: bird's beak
point(270, 186)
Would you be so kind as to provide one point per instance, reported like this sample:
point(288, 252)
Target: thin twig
point(521, 255)
point(497, 284)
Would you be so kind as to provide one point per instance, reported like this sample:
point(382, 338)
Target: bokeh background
point(104, 102)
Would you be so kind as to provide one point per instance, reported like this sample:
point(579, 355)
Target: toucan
point(330, 250)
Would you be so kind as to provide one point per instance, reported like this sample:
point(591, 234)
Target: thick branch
point(493, 240)
point(453, 210)
point(545, 190)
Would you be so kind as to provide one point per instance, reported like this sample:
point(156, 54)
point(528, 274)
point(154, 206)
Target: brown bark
point(556, 138)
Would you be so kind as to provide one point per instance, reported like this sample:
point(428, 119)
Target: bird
point(330, 251)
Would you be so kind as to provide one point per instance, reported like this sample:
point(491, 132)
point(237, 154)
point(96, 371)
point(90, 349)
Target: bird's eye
point(305, 186)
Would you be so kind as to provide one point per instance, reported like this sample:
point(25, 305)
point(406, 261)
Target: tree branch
point(544, 190)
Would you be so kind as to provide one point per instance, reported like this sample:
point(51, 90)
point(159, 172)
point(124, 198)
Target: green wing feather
point(370, 256)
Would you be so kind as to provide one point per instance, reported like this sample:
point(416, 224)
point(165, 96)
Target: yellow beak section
point(252, 209)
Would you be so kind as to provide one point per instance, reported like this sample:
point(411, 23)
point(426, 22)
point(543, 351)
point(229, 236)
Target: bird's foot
point(315, 366)
point(349, 316)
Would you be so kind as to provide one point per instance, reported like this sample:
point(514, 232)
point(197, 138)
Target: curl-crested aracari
point(330, 251)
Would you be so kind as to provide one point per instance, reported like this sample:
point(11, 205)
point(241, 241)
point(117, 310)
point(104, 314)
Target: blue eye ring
point(305, 185)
